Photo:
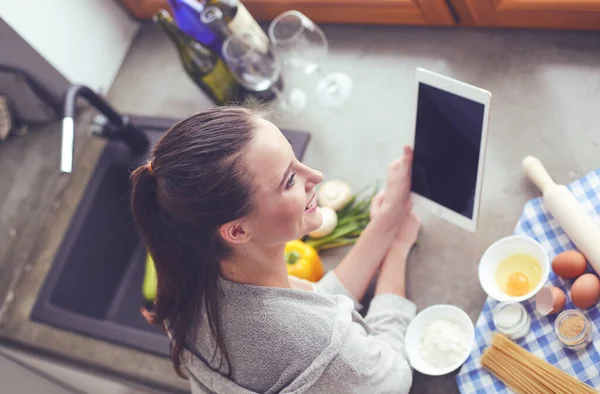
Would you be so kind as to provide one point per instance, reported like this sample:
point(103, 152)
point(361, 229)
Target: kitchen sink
point(94, 285)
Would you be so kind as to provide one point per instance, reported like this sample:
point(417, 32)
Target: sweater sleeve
point(330, 284)
point(379, 357)
point(389, 316)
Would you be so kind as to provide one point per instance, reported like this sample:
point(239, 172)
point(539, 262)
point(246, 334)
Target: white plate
point(417, 326)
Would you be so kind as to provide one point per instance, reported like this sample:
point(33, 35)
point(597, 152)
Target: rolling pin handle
point(537, 173)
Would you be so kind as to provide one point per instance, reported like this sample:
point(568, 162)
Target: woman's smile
point(312, 204)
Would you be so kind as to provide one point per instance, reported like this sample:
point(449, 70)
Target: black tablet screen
point(447, 143)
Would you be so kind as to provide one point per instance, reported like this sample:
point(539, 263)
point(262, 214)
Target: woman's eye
point(291, 182)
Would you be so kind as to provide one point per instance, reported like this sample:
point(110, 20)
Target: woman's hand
point(408, 231)
point(392, 278)
point(390, 205)
point(376, 204)
point(387, 212)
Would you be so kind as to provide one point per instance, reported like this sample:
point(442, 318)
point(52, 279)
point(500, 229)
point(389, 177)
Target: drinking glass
point(258, 70)
point(303, 44)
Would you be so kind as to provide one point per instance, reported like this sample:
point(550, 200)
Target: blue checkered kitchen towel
point(537, 223)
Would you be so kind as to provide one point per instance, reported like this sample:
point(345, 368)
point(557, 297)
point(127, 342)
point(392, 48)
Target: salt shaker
point(511, 319)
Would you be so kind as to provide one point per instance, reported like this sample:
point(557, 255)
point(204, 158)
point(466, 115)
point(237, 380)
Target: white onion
point(334, 194)
point(328, 225)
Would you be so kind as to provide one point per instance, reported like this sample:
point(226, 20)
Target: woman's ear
point(234, 232)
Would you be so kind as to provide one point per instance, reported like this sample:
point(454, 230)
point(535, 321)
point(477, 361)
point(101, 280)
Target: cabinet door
point(552, 14)
point(410, 12)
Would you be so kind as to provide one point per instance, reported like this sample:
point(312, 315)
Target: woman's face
point(285, 197)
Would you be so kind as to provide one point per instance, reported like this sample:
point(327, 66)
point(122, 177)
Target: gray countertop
point(545, 86)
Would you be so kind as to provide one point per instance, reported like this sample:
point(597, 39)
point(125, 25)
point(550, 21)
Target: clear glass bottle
point(511, 319)
point(573, 329)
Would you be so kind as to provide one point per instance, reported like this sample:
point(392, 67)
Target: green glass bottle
point(202, 65)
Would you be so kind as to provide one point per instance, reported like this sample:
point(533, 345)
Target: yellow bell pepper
point(303, 261)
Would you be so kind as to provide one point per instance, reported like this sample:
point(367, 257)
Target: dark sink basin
point(94, 285)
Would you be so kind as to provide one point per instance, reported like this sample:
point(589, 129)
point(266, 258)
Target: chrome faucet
point(116, 127)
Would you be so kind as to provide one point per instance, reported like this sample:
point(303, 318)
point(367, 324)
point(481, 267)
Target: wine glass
point(258, 69)
point(303, 44)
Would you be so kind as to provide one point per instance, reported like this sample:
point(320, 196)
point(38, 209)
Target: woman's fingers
point(397, 189)
point(408, 153)
point(378, 198)
point(407, 161)
point(399, 174)
point(408, 231)
point(376, 204)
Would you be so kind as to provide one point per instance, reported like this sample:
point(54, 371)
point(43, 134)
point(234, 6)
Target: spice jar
point(573, 329)
point(511, 319)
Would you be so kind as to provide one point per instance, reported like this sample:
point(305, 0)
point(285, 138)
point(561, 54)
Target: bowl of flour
point(439, 339)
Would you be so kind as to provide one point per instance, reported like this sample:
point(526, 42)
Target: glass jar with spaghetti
point(573, 329)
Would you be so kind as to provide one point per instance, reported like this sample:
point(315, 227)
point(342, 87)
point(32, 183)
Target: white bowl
point(417, 326)
point(500, 250)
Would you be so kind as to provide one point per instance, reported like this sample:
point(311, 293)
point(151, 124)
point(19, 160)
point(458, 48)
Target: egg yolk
point(517, 285)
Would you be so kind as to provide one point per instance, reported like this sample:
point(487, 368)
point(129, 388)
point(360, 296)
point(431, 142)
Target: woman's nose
point(315, 177)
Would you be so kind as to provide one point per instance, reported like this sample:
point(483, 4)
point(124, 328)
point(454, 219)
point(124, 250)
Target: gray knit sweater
point(298, 341)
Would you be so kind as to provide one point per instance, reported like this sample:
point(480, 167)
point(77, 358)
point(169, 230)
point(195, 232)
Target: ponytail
point(196, 184)
point(177, 304)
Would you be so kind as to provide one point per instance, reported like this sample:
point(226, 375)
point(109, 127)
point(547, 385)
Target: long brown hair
point(195, 184)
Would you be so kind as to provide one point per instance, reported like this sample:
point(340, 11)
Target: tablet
point(450, 132)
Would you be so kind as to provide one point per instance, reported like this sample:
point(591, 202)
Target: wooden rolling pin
point(567, 211)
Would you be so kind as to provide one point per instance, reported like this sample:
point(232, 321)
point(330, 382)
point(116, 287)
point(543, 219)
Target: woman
point(215, 206)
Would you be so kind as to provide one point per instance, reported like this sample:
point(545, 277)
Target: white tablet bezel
point(472, 93)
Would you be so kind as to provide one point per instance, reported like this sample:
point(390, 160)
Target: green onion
point(353, 218)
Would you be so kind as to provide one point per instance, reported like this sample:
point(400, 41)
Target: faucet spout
point(134, 138)
point(67, 146)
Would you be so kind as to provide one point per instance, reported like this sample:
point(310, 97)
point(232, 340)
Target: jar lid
point(508, 315)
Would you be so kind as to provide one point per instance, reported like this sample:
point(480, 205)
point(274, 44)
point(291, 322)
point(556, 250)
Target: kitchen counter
point(545, 88)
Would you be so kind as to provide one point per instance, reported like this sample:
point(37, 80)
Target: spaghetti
point(527, 374)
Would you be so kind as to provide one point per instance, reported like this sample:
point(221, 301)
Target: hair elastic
point(149, 166)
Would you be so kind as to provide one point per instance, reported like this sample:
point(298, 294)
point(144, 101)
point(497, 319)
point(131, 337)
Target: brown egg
point(569, 264)
point(585, 291)
point(559, 298)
